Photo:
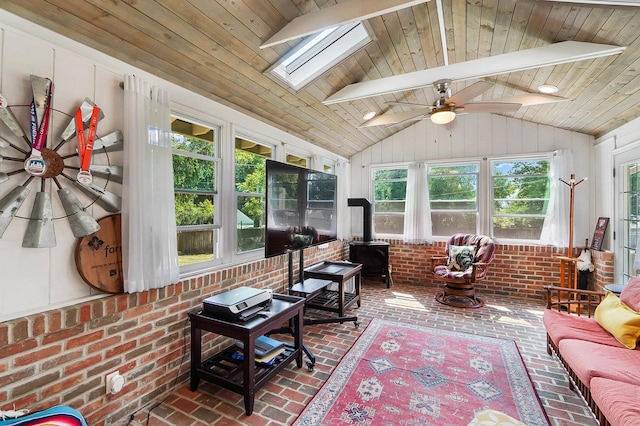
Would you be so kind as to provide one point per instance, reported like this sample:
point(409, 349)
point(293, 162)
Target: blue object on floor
point(60, 415)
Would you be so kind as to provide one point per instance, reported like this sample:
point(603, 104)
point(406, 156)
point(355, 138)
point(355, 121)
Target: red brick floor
point(280, 402)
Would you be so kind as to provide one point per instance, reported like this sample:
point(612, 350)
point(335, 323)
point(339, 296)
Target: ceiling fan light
point(369, 115)
point(547, 88)
point(443, 117)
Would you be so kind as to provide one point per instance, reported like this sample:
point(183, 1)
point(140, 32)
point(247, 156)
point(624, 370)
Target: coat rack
point(568, 264)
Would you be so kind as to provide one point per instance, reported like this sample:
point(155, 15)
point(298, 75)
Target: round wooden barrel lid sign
point(99, 256)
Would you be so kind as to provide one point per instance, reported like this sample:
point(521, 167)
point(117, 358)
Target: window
point(296, 160)
point(250, 162)
point(453, 194)
point(195, 177)
point(320, 52)
point(389, 192)
point(520, 198)
point(630, 196)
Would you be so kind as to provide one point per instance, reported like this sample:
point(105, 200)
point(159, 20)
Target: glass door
point(628, 223)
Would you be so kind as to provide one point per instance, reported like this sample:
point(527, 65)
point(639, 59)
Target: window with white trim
point(296, 160)
point(520, 196)
point(196, 169)
point(453, 195)
point(250, 183)
point(389, 192)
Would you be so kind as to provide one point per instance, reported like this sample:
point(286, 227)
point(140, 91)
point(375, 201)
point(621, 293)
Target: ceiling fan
point(447, 106)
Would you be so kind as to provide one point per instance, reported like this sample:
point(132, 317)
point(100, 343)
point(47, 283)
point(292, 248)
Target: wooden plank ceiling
point(212, 47)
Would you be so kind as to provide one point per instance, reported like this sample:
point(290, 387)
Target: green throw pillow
point(461, 257)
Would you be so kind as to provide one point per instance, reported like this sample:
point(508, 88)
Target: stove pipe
point(367, 216)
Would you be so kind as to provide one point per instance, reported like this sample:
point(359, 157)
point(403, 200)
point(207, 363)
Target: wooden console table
point(314, 288)
point(246, 376)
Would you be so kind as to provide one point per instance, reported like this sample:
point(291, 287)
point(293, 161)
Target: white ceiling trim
point(603, 2)
point(552, 54)
point(340, 14)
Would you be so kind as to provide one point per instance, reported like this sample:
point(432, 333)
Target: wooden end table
point(246, 376)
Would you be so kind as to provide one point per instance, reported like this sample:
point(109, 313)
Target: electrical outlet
point(114, 382)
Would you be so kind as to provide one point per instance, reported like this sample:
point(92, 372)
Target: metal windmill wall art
point(29, 155)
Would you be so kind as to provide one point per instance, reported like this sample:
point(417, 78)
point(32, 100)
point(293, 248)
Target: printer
point(239, 304)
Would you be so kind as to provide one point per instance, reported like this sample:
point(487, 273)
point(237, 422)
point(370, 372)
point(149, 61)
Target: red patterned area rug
point(402, 374)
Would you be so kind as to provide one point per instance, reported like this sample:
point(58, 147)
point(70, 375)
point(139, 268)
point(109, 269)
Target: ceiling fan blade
point(395, 118)
point(493, 107)
point(333, 16)
point(532, 99)
point(552, 54)
point(468, 93)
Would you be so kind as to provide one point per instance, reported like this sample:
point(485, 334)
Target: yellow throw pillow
point(619, 320)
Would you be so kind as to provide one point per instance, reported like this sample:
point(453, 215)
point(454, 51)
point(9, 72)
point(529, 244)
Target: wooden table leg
point(196, 356)
point(249, 375)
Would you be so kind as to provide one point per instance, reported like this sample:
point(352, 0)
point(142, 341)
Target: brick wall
point(516, 270)
point(62, 356)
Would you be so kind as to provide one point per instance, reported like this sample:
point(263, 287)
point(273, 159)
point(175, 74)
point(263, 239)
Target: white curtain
point(150, 253)
point(417, 213)
point(342, 171)
point(555, 230)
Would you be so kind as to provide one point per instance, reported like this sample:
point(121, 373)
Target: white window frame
point(479, 185)
point(489, 173)
point(216, 226)
point(484, 190)
point(373, 170)
point(624, 248)
point(257, 253)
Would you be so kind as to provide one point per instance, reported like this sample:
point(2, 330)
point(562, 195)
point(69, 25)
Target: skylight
point(318, 53)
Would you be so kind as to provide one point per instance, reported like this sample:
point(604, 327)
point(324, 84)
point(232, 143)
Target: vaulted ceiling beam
point(552, 54)
point(333, 16)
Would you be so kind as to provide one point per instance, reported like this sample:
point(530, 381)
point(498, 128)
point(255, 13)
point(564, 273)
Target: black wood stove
point(373, 255)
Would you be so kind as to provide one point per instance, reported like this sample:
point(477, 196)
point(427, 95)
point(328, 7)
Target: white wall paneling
point(35, 280)
point(475, 136)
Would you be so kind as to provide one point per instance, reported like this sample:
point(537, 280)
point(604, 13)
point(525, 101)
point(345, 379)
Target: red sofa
point(600, 354)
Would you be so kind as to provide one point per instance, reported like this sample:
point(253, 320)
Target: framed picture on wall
point(598, 234)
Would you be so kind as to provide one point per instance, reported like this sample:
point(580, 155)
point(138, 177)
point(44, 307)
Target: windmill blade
point(10, 204)
point(532, 99)
point(491, 107)
point(395, 118)
point(113, 173)
point(86, 108)
point(105, 199)
point(552, 54)
point(41, 87)
point(468, 93)
point(40, 232)
point(10, 120)
point(81, 222)
point(111, 142)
